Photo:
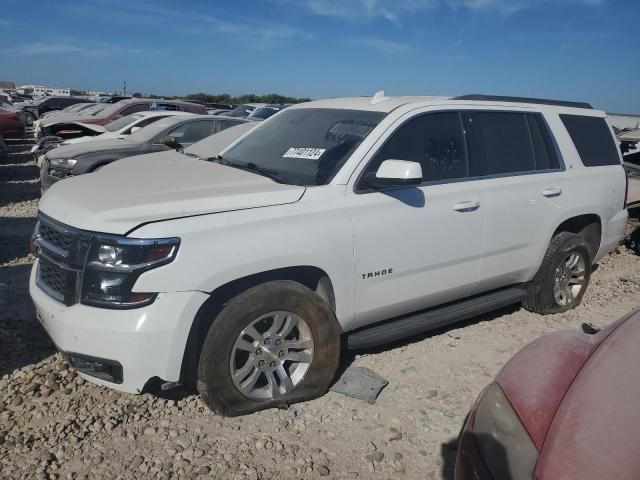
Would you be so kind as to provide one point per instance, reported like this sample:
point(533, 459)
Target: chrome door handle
point(466, 206)
point(552, 192)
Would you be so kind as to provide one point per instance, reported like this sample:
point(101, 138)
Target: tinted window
point(543, 146)
point(593, 140)
point(499, 143)
point(434, 140)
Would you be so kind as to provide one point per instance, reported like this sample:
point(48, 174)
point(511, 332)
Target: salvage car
point(343, 222)
point(119, 128)
point(174, 132)
point(547, 422)
point(36, 109)
point(73, 126)
point(11, 122)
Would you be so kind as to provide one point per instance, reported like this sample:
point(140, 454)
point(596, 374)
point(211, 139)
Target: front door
point(417, 247)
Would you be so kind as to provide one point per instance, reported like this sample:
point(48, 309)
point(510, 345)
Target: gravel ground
point(55, 425)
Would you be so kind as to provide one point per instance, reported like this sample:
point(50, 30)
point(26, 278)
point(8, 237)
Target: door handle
point(466, 206)
point(552, 192)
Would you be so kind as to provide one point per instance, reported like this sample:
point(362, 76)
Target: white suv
point(348, 222)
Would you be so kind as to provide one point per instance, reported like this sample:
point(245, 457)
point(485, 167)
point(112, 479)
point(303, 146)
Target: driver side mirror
point(170, 142)
point(395, 173)
point(135, 129)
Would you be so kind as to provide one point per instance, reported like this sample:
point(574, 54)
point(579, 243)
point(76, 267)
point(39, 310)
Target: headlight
point(504, 444)
point(65, 163)
point(115, 263)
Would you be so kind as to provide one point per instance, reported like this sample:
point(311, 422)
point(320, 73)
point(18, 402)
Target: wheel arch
point(588, 226)
point(311, 277)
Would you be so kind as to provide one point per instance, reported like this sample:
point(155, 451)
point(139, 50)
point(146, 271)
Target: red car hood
point(594, 434)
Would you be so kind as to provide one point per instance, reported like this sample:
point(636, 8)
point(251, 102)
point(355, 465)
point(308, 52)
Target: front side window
point(304, 146)
point(593, 140)
point(434, 140)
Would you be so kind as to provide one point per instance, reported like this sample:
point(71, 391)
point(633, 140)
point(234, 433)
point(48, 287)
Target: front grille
point(53, 278)
point(62, 251)
point(55, 237)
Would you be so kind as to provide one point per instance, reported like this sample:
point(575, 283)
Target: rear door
point(526, 194)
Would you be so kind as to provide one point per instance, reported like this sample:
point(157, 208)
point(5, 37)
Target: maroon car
point(71, 125)
point(565, 407)
point(11, 124)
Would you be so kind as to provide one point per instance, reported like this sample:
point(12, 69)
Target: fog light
point(108, 370)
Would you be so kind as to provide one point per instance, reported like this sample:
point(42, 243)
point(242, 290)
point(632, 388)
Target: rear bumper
point(613, 233)
point(143, 343)
point(469, 463)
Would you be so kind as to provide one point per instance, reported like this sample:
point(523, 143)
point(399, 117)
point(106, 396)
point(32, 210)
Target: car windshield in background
point(306, 146)
point(93, 109)
point(122, 122)
point(241, 111)
point(265, 112)
point(147, 133)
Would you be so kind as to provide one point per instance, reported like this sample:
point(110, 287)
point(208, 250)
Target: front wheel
point(273, 345)
point(563, 276)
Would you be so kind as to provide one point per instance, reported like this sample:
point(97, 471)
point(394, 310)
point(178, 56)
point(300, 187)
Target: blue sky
point(569, 49)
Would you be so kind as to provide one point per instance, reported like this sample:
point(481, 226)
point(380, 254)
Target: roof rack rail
point(540, 101)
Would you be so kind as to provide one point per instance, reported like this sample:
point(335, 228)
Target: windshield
point(241, 111)
point(146, 134)
point(122, 122)
point(93, 109)
point(305, 146)
point(265, 112)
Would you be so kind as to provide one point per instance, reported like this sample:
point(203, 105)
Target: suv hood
point(159, 186)
point(107, 144)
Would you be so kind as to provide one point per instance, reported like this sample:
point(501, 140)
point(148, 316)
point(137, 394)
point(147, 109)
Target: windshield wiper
point(188, 154)
point(249, 167)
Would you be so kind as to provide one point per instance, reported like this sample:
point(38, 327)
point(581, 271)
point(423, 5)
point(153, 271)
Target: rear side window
point(544, 149)
point(499, 143)
point(435, 140)
point(593, 140)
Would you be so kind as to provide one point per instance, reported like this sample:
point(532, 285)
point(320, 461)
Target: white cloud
point(82, 47)
point(384, 46)
point(394, 10)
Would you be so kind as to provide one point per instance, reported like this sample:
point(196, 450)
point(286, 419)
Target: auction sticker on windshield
point(305, 153)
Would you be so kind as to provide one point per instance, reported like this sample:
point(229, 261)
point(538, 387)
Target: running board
point(403, 327)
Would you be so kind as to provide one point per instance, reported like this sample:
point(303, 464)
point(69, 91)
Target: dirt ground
point(54, 425)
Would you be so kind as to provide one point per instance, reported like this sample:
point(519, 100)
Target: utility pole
point(124, 88)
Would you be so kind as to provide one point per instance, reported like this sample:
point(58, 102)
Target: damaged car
point(74, 126)
point(564, 407)
point(176, 132)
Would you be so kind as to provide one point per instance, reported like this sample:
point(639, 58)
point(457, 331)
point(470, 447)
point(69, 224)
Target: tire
point(214, 377)
point(555, 281)
point(29, 118)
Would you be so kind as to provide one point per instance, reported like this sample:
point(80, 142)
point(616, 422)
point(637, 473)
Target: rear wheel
point(273, 345)
point(563, 276)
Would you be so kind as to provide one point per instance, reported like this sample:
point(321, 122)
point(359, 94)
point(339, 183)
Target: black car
point(49, 104)
point(169, 133)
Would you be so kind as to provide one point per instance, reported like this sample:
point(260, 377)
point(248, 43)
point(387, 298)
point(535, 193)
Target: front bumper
point(46, 179)
point(146, 342)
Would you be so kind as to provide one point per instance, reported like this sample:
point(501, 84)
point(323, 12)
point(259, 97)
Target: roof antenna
point(378, 98)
